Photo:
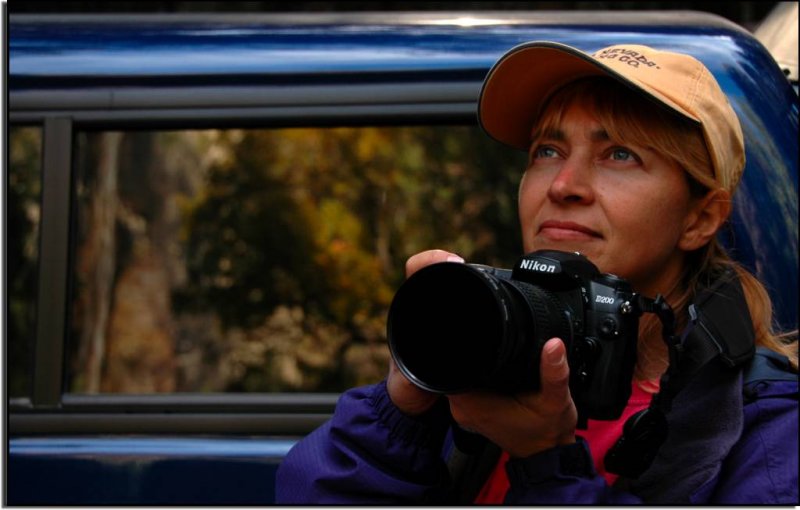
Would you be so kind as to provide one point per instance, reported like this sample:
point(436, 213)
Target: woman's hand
point(410, 399)
point(524, 423)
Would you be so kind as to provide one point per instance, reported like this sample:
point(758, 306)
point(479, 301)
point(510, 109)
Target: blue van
point(207, 217)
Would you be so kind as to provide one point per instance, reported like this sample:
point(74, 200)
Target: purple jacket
point(730, 442)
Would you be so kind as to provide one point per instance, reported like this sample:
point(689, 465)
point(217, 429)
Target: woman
point(634, 156)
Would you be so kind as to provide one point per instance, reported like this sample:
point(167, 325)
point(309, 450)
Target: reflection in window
point(22, 253)
point(264, 261)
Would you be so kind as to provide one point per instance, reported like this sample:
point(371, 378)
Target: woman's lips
point(566, 230)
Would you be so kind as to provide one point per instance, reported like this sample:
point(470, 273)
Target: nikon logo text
point(535, 265)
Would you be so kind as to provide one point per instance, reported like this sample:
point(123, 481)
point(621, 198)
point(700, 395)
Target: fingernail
point(454, 258)
point(552, 357)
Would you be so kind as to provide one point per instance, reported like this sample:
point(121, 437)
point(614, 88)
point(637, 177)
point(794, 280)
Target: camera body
point(603, 319)
point(458, 327)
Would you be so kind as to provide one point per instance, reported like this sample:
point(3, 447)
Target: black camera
point(455, 327)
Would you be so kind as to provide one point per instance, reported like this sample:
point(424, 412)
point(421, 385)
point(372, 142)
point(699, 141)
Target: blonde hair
point(635, 119)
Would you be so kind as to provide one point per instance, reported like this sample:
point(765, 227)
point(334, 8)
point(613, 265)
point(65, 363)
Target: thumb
point(554, 370)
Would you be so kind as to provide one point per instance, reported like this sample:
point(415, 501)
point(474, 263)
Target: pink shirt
point(601, 436)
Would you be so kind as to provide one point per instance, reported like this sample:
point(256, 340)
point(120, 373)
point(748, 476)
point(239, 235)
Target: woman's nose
point(572, 182)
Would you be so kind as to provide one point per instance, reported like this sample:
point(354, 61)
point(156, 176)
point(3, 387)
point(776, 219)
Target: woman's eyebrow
point(599, 135)
point(557, 134)
point(552, 133)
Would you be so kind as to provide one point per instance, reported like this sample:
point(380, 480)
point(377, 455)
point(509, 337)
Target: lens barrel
point(455, 327)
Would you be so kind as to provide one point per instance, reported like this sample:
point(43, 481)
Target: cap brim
point(520, 83)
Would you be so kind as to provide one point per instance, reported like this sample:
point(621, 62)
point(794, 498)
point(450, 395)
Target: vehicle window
point(266, 260)
point(22, 251)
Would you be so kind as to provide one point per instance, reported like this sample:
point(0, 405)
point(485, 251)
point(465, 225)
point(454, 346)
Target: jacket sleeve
point(368, 453)
point(564, 475)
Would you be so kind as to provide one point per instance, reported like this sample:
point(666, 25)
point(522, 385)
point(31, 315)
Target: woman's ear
point(705, 218)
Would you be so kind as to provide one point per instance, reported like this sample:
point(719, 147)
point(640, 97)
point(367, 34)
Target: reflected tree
point(23, 209)
point(299, 240)
point(266, 260)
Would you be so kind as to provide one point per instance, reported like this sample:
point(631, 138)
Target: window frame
point(50, 409)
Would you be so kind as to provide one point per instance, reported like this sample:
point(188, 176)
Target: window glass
point(22, 254)
point(266, 260)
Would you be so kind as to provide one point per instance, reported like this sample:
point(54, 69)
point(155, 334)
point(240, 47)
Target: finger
point(475, 401)
point(407, 397)
point(554, 370)
point(426, 258)
point(473, 409)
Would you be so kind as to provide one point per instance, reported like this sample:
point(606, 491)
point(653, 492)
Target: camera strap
point(719, 328)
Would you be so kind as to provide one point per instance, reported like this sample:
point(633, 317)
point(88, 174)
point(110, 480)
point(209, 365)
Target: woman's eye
point(620, 154)
point(544, 151)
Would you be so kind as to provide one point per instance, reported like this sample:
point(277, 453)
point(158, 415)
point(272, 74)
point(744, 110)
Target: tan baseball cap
point(519, 84)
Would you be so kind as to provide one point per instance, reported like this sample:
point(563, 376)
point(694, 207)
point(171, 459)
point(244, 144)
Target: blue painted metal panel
point(151, 446)
point(206, 50)
point(143, 470)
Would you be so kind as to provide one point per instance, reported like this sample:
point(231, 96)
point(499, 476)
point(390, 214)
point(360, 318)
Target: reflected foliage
point(22, 252)
point(279, 250)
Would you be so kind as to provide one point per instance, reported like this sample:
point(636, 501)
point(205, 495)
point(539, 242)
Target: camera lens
point(454, 327)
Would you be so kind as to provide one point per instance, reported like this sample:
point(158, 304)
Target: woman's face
point(623, 206)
